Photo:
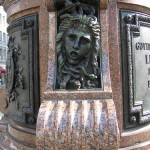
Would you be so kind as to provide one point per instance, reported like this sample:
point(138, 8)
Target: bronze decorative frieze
point(14, 77)
point(78, 46)
point(22, 70)
point(135, 29)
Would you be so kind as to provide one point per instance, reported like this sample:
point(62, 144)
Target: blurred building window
point(4, 37)
point(0, 36)
point(1, 55)
point(4, 21)
point(0, 19)
point(4, 54)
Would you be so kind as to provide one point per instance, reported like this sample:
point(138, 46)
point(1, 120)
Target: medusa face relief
point(77, 44)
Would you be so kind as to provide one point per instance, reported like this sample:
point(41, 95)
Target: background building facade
point(3, 42)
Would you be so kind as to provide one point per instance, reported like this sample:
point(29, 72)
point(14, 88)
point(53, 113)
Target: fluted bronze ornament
point(78, 47)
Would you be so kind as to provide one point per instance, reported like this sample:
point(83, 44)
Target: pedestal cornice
point(50, 4)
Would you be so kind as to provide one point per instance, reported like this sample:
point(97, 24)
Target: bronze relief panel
point(22, 70)
point(135, 35)
point(78, 45)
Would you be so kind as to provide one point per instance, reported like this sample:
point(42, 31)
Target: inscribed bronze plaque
point(135, 35)
point(141, 67)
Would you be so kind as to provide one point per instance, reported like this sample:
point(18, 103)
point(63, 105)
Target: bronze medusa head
point(78, 46)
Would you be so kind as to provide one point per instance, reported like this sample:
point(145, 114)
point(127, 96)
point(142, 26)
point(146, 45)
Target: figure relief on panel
point(78, 47)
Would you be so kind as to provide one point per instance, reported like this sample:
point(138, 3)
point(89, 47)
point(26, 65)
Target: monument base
point(77, 124)
point(140, 146)
point(17, 137)
point(3, 123)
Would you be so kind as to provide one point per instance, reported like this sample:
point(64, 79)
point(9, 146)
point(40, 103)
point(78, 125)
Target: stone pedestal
point(17, 137)
point(75, 119)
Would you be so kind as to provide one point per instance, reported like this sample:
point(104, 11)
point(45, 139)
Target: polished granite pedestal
point(76, 119)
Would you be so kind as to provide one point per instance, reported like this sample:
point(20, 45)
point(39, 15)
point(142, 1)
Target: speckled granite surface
point(8, 143)
point(84, 119)
point(80, 120)
point(77, 125)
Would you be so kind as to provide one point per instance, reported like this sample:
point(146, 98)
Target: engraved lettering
point(146, 45)
point(142, 46)
point(148, 71)
point(147, 58)
point(148, 84)
point(137, 46)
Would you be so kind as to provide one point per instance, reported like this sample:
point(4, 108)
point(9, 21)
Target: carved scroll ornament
point(14, 77)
